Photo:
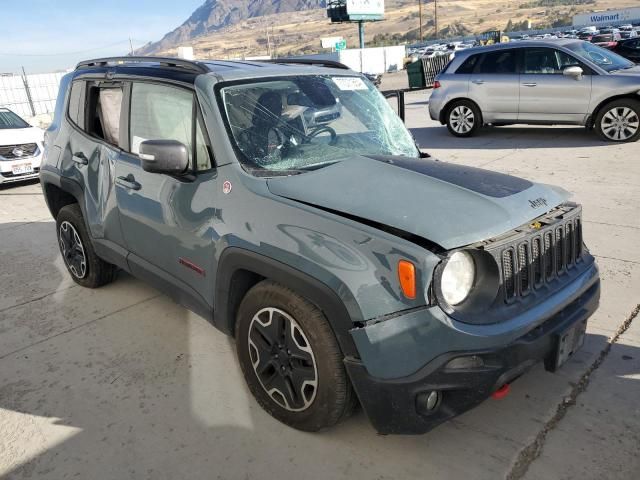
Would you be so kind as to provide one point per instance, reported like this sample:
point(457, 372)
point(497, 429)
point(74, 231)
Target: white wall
point(44, 91)
point(368, 60)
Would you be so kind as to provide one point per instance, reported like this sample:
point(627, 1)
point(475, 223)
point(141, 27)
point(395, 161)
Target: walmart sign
point(607, 17)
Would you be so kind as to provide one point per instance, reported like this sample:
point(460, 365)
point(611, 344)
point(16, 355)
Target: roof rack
point(163, 61)
point(309, 61)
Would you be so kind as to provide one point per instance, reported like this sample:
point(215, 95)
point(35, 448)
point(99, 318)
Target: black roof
point(181, 67)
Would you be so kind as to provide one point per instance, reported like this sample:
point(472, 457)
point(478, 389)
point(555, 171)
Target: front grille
point(544, 254)
point(28, 150)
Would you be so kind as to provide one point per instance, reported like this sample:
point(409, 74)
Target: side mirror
point(164, 156)
point(575, 72)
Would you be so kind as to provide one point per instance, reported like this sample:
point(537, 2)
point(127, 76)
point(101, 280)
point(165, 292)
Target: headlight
point(457, 278)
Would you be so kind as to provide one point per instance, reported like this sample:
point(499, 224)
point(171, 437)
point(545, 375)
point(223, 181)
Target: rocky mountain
point(214, 15)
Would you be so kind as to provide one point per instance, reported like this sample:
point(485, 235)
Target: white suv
point(21, 147)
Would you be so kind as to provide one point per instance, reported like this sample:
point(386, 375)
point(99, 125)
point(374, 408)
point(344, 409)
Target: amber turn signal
point(407, 277)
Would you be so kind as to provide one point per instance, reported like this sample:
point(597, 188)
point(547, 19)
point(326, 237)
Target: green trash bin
point(415, 71)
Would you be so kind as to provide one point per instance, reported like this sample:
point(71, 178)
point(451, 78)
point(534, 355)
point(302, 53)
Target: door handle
point(478, 82)
point(529, 84)
point(80, 159)
point(128, 182)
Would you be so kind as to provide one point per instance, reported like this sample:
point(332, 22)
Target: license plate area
point(22, 169)
point(568, 343)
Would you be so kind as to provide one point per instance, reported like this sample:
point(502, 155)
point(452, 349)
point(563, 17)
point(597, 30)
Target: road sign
point(330, 42)
point(342, 45)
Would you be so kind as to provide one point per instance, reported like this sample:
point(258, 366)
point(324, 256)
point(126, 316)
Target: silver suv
point(567, 82)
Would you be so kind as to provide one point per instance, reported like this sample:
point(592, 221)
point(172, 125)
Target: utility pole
point(435, 8)
point(275, 41)
point(27, 89)
point(131, 46)
point(420, 18)
point(268, 41)
point(361, 33)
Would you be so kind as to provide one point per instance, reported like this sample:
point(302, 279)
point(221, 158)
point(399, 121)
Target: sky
point(53, 35)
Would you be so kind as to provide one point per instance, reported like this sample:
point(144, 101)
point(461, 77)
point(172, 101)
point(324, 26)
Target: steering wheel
point(267, 151)
point(318, 131)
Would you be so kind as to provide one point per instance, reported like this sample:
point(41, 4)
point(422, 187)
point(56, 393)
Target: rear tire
point(291, 359)
point(464, 118)
point(78, 254)
point(619, 121)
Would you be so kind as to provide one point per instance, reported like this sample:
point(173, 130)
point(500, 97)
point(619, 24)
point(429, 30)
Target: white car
point(21, 148)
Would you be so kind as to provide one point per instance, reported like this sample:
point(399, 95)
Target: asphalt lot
point(121, 382)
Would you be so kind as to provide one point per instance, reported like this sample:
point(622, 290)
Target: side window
point(161, 112)
point(76, 103)
point(468, 65)
point(541, 61)
point(102, 115)
point(499, 62)
point(565, 60)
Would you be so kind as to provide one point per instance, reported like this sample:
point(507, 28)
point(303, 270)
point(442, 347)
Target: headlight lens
point(457, 279)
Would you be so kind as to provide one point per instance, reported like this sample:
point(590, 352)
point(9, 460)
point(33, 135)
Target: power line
point(122, 42)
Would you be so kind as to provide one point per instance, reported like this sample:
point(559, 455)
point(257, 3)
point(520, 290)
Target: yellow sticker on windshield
point(350, 83)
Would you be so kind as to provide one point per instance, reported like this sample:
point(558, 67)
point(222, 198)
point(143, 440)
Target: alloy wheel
point(462, 119)
point(620, 123)
point(72, 249)
point(282, 359)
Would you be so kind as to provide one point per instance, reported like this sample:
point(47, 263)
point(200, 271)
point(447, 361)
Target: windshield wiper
point(318, 166)
point(263, 172)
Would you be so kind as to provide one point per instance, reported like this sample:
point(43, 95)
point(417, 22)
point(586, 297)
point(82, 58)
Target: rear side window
point(161, 112)
point(76, 103)
point(499, 62)
point(468, 65)
point(104, 105)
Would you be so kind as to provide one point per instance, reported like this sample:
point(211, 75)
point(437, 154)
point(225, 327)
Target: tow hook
point(502, 392)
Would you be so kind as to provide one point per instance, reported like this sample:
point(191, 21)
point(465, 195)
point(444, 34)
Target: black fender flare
point(227, 298)
point(67, 185)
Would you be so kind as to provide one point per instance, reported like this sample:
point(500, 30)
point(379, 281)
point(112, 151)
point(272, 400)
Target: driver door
point(166, 220)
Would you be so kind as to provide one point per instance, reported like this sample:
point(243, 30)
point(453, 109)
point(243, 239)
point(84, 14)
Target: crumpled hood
point(447, 204)
point(15, 136)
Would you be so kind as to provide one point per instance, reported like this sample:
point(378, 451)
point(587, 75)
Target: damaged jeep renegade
point(286, 203)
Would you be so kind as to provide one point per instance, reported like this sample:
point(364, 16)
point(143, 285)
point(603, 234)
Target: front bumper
point(6, 169)
point(396, 405)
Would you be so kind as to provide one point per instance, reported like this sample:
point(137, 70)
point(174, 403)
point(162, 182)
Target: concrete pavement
point(121, 382)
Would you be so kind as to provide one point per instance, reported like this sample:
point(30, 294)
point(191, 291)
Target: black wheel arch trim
point(340, 315)
point(65, 184)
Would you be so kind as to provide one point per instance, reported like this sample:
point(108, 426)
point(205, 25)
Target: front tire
point(464, 118)
point(84, 266)
point(291, 359)
point(619, 121)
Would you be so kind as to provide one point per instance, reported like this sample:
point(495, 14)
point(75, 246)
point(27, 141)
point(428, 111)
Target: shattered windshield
point(293, 124)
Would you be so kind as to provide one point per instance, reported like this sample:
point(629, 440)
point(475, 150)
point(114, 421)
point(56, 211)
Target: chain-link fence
point(30, 95)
